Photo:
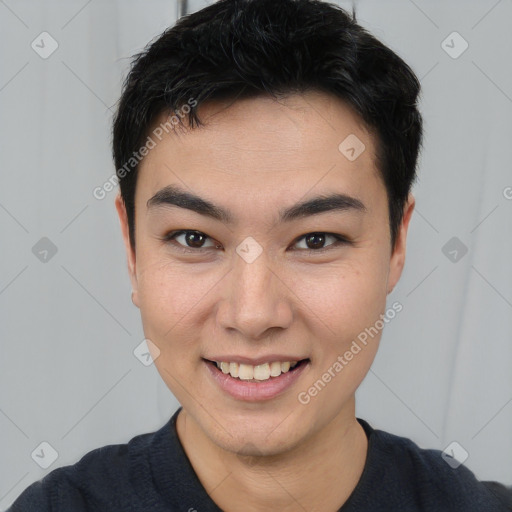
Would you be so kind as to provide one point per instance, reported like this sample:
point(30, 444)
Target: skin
point(255, 157)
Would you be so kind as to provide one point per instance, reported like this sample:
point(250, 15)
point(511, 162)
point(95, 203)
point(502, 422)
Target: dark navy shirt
point(151, 473)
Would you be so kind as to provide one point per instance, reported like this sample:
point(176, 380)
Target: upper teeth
point(259, 372)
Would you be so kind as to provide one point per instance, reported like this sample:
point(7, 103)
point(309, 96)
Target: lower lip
point(255, 391)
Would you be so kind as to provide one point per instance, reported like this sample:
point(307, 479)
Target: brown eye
point(189, 239)
point(317, 241)
point(194, 239)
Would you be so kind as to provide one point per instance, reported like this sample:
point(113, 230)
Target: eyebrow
point(172, 195)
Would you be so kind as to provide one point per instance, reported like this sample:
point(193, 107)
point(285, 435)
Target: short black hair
point(244, 48)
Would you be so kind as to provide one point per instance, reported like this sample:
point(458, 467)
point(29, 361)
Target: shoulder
point(435, 480)
point(100, 478)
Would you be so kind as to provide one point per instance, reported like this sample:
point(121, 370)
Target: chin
point(258, 445)
point(251, 435)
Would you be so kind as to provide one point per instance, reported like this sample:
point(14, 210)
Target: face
point(258, 244)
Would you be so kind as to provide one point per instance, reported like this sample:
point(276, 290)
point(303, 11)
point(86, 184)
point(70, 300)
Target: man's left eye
point(316, 241)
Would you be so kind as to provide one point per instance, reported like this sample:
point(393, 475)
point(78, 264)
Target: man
point(265, 153)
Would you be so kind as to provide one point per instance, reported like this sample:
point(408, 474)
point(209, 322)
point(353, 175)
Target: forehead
point(261, 148)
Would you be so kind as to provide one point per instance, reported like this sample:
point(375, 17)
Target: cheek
point(347, 306)
point(169, 297)
point(166, 296)
point(168, 291)
point(346, 298)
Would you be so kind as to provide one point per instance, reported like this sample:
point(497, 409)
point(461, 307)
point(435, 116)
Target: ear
point(130, 253)
point(397, 262)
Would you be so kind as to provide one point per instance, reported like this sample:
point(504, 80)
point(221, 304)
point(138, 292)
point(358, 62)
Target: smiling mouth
point(259, 373)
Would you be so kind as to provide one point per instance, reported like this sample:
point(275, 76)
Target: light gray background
point(68, 375)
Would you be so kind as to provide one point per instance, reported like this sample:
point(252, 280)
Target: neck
point(318, 475)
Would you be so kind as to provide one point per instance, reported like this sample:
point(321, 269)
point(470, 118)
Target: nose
point(256, 300)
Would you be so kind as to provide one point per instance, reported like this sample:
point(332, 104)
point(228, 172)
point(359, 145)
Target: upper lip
point(254, 361)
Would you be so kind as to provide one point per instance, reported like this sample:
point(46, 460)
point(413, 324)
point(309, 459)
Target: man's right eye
point(189, 240)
